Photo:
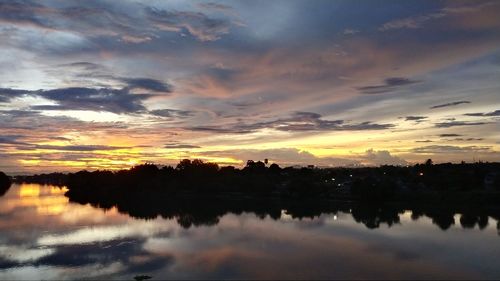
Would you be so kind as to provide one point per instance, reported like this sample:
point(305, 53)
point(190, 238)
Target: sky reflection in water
point(42, 236)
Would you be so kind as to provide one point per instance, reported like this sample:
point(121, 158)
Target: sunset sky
point(110, 84)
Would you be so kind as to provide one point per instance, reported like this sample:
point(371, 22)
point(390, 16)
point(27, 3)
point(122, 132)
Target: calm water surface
point(43, 236)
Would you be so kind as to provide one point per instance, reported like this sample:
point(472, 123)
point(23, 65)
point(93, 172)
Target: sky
point(111, 84)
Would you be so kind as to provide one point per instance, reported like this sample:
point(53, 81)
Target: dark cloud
point(11, 139)
point(450, 149)
point(100, 99)
point(365, 126)
point(417, 119)
point(455, 103)
point(390, 84)
point(219, 129)
point(9, 118)
point(88, 66)
point(147, 84)
point(172, 113)
point(449, 135)
point(424, 141)
point(8, 264)
point(458, 123)
point(180, 145)
point(468, 139)
point(487, 114)
point(214, 6)
point(60, 138)
point(6, 94)
point(247, 103)
point(299, 121)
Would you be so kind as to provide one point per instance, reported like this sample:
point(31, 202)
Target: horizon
point(110, 85)
point(173, 165)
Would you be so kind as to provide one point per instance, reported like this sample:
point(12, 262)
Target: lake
point(44, 236)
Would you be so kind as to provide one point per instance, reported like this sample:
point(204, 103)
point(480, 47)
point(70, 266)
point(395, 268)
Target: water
point(43, 236)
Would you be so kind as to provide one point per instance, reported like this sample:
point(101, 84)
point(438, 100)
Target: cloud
point(449, 135)
point(382, 157)
point(294, 156)
point(172, 113)
point(413, 22)
point(197, 24)
point(60, 23)
point(282, 156)
point(6, 95)
point(220, 130)
point(468, 139)
point(390, 84)
point(450, 149)
point(82, 65)
point(417, 21)
point(24, 145)
point(487, 114)
point(424, 141)
point(98, 75)
point(174, 145)
point(60, 138)
point(147, 84)
point(214, 6)
point(455, 103)
point(22, 12)
point(458, 123)
point(298, 122)
point(415, 118)
point(98, 25)
point(11, 139)
point(350, 31)
point(34, 121)
point(79, 147)
point(136, 39)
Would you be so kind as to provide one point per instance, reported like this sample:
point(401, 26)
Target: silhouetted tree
point(274, 168)
point(468, 220)
point(443, 219)
point(5, 183)
point(184, 164)
point(146, 170)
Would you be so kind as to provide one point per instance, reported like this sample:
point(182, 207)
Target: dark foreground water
point(43, 236)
